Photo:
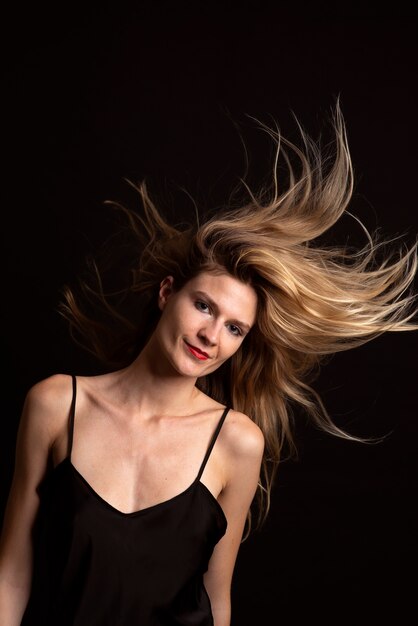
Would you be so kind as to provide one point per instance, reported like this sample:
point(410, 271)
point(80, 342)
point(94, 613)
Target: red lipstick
point(199, 354)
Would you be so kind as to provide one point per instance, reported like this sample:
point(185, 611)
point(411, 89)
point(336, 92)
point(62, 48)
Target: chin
point(196, 371)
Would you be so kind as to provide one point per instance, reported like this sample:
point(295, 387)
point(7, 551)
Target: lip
point(199, 354)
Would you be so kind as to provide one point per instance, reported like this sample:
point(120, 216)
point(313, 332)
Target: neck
point(156, 388)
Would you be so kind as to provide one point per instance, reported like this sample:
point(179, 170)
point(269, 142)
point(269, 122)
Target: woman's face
point(203, 323)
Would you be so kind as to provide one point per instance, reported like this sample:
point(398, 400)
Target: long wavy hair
point(313, 300)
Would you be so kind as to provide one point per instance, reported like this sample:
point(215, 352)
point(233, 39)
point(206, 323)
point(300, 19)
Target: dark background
point(94, 94)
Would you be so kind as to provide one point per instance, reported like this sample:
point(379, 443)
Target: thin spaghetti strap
point(71, 420)
point(212, 442)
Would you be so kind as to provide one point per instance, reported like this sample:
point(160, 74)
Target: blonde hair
point(313, 300)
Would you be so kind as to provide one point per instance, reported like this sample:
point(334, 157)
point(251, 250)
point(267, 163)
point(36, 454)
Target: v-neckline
point(67, 461)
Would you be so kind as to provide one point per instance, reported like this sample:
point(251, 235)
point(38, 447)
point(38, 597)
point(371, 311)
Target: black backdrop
point(95, 94)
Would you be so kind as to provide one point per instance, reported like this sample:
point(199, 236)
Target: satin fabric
point(97, 566)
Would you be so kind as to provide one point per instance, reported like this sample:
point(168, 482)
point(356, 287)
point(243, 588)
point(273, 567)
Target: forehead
point(231, 295)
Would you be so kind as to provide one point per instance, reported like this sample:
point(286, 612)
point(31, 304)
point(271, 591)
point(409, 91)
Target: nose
point(209, 334)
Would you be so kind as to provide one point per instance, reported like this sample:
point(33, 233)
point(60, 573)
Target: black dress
point(97, 566)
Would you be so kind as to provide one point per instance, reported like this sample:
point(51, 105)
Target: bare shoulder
point(51, 394)
point(46, 405)
point(242, 436)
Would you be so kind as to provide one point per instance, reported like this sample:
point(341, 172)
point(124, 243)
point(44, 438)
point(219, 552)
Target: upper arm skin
point(244, 447)
point(41, 421)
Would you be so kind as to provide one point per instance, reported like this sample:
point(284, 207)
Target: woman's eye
point(235, 330)
point(202, 306)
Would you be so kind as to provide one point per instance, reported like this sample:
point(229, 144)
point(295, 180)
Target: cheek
point(230, 346)
point(225, 355)
point(178, 321)
point(168, 326)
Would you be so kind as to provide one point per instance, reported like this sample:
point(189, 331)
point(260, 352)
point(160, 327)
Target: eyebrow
point(205, 296)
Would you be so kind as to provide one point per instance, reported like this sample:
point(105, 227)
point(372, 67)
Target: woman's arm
point(36, 433)
point(244, 447)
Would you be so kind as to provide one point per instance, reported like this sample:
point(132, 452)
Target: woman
point(132, 488)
